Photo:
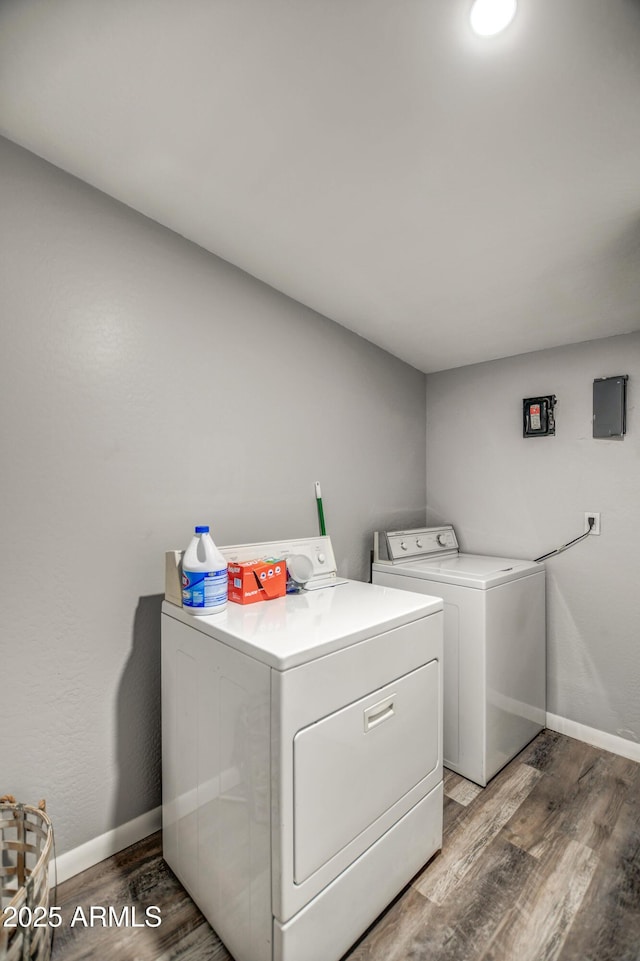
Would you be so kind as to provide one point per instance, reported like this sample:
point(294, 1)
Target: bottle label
point(204, 588)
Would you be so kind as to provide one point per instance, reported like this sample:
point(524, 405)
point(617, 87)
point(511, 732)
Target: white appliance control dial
point(321, 558)
point(403, 546)
point(442, 540)
point(418, 542)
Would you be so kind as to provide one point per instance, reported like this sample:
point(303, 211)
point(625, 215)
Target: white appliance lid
point(470, 570)
point(298, 628)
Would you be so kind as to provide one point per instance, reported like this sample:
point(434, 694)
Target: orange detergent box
point(260, 580)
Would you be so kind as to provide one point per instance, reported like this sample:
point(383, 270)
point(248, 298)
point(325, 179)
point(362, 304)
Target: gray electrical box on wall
point(610, 406)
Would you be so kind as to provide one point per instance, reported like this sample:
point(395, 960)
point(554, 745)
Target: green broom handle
point(323, 530)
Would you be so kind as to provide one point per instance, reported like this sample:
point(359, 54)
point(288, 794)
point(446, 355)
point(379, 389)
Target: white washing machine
point(302, 757)
point(494, 642)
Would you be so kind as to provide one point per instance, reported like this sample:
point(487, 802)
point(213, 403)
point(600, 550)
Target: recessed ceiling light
point(489, 17)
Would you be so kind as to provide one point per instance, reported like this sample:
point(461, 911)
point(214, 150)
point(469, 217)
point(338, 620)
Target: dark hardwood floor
point(541, 865)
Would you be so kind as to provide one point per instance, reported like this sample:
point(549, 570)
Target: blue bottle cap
point(204, 529)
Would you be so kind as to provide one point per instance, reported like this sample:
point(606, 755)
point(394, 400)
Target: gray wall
point(147, 386)
point(522, 497)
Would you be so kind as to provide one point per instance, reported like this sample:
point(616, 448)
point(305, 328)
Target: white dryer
point(494, 642)
point(302, 757)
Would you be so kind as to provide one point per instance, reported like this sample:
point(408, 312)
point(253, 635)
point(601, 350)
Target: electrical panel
point(610, 406)
point(538, 417)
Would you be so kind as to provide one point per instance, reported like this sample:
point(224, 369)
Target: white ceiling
point(449, 198)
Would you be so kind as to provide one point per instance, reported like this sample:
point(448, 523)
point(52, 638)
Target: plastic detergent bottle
point(204, 575)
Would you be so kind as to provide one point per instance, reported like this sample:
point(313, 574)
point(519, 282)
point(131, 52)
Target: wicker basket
point(26, 840)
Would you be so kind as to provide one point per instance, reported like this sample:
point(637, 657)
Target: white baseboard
point(72, 862)
point(590, 735)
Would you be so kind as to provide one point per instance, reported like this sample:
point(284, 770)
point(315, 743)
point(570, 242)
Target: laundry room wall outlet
point(588, 515)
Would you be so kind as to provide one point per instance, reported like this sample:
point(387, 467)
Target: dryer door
point(355, 764)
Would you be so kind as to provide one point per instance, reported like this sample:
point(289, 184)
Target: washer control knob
point(403, 546)
point(321, 558)
point(418, 542)
point(442, 540)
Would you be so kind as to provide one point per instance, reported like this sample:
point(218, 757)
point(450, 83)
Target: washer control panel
point(421, 542)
